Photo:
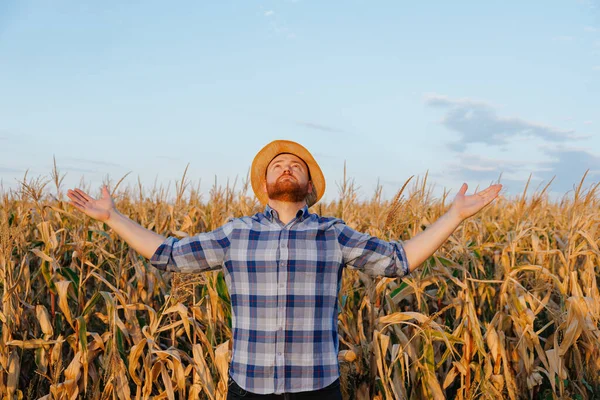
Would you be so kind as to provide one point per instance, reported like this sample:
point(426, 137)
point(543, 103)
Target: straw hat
point(258, 172)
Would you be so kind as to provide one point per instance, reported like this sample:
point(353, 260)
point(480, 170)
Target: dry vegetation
point(508, 308)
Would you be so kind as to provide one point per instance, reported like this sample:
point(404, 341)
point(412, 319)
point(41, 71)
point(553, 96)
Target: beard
point(287, 190)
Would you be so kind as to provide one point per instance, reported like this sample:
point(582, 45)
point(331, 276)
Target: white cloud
point(277, 24)
point(86, 161)
point(587, 122)
point(596, 68)
point(478, 122)
point(319, 127)
point(588, 3)
point(569, 166)
point(480, 170)
point(434, 99)
point(590, 29)
point(281, 29)
point(11, 170)
point(564, 39)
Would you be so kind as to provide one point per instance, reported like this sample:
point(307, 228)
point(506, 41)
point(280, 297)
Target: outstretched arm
point(142, 240)
point(423, 245)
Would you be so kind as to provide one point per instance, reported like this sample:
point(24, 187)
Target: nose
point(286, 171)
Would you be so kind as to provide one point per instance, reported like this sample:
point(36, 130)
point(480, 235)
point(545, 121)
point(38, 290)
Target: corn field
point(508, 307)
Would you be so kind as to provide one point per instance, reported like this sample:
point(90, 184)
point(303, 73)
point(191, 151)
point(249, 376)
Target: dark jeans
point(332, 392)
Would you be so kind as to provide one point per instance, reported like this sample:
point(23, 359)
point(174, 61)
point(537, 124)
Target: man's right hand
point(100, 209)
point(142, 240)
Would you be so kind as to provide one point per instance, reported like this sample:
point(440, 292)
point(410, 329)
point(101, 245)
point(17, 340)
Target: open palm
point(466, 206)
point(98, 209)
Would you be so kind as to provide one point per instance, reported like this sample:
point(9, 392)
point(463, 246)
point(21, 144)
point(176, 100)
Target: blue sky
point(464, 90)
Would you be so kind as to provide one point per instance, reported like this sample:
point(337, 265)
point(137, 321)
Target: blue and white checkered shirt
point(283, 281)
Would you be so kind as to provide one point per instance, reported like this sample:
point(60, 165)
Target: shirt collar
point(271, 213)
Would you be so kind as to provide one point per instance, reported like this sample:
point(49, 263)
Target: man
point(283, 269)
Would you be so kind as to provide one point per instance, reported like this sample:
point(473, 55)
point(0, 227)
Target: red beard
point(287, 189)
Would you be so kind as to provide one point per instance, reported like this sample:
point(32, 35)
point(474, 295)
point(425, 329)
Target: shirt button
point(279, 353)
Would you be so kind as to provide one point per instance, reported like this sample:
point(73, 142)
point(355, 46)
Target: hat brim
point(258, 172)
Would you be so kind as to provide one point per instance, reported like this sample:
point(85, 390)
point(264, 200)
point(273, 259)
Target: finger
point(72, 195)
point(83, 194)
point(491, 190)
point(76, 196)
point(494, 190)
point(105, 192)
point(78, 205)
point(495, 186)
point(485, 192)
point(463, 188)
point(489, 197)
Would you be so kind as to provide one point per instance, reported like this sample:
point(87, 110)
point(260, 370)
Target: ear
point(310, 187)
point(265, 186)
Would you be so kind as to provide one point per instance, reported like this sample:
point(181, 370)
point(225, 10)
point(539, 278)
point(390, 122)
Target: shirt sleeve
point(203, 252)
point(373, 256)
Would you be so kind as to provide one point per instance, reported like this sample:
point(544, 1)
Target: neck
point(287, 211)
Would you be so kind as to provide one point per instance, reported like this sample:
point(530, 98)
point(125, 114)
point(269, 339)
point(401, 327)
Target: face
point(287, 179)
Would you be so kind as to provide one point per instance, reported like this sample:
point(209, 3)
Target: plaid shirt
point(283, 281)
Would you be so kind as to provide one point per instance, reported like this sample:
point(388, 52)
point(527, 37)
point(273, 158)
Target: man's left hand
point(466, 206)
